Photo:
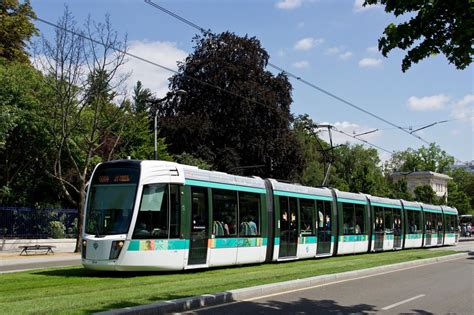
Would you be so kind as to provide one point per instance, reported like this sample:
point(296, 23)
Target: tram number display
point(104, 179)
point(116, 176)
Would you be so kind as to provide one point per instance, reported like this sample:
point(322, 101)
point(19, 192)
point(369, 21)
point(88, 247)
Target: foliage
point(399, 190)
point(93, 290)
point(433, 27)
point(56, 229)
point(432, 159)
point(16, 29)
point(247, 127)
point(357, 169)
point(461, 191)
point(426, 194)
point(313, 172)
point(26, 142)
point(141, 97)
point(189, 159)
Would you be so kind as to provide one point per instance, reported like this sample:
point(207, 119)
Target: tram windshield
point(111, 199)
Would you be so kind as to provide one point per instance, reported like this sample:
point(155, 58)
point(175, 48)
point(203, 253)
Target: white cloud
point(464, 109)
point(370, 63)
point(308, 43)
point(152, 77)
point(331, 51)
point(372, 50)
point(345, 56)
point(289, 4)
point(427, 103)
point(359, 8)
point(301, 64)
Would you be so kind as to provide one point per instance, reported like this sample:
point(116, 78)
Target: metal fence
point(25, 222)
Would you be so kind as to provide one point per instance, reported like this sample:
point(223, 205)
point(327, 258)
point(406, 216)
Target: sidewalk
point(13, 262)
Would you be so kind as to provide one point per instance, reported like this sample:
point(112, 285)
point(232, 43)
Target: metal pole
point(155, 134)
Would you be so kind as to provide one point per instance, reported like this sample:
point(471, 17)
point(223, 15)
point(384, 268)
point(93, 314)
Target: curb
point(186, 304)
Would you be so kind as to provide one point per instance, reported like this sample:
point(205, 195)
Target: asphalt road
point(440, 288)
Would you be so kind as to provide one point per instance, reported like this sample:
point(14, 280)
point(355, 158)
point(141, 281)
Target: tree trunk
point(80, 219)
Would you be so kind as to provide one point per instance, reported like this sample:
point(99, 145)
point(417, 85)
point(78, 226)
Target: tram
point(157, 215)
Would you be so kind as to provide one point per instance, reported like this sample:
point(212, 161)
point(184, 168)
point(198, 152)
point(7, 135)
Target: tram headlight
point(83, 249)
point(116, 249)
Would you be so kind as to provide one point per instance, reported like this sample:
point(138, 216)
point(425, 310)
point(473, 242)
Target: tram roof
point(374, 200)
point(195, 173)
point(300, 189)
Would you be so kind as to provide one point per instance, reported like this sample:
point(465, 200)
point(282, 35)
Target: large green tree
point(24, 138)
point(431, 27)
point(432, 159)
point(249, 126)
point(16, 29)
point(357, 169)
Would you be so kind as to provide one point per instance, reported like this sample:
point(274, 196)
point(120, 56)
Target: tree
point(432, 159)
point(249, 126)
point(357, 170)
point(433, 27)
point(141, 98)
point(16, 29)
point(399, 190)
point(24, 138)
point(461, 191)
point(85, 110)
point(426, 194)
point(313, 171)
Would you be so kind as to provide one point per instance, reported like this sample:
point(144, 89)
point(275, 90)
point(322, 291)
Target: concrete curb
point(186, 304)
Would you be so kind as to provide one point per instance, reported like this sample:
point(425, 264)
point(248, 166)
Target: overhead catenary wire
point(362, 140)
point(312, 85)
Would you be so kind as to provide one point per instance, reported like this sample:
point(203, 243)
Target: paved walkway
point(13, 262)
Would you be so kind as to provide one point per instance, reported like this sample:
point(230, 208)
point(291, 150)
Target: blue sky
point(331, 43)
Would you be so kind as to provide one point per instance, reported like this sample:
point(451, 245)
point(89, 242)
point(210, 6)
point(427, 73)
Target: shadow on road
point(302, 306)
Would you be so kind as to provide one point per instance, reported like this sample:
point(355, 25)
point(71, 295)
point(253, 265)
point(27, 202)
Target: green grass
point(78, 291)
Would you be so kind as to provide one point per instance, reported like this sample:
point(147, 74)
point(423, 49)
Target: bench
point(44, 248)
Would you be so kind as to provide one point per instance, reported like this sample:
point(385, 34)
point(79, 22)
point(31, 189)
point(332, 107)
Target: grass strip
point(75, 290)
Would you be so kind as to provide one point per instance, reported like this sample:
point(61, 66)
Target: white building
point(437, 181)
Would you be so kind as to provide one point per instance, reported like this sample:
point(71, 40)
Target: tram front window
point(111, 198)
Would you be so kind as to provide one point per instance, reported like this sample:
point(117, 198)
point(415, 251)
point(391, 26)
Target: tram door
point(397, 229)
point(199, 227)
point(428, 225)
point(379, 229)
point(439, 229)
point(288, 227)
point(323, 209)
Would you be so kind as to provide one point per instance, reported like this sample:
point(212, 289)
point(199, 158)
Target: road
point(439, 288)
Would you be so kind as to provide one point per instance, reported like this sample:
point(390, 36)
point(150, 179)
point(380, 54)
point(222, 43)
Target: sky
point(330, 43)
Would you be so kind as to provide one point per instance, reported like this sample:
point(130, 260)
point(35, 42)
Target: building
point(437, 181)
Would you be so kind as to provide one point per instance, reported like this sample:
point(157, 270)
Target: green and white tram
point(156, 215)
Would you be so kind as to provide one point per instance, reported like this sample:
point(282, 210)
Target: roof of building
point(420, 174)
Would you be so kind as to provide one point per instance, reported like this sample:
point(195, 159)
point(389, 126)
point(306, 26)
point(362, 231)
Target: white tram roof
point(349, 195)
point(197, 174)
point(450, 210)
point(413, 204)
point(299, 189)
point(431, 207)
point(384, 201)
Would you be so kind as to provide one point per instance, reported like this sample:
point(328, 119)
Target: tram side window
point(348, 218)
point(388, 214)
point(379, 219)
point(439, 223)
point(306, 215)
point(324, 215)
point(224, 216)
point(359, 217)
point(174, 211)
point(249, 214)
point(152, 220)
point(413, 218)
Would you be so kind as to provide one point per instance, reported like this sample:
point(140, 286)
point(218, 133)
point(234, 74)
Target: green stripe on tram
point(301, 195)
point(413, 236)
point(360, 202)
point(432, 210)
point(307, 240)
point(412, 208)
point(386, 205)
point(201, 183)
point(237, 242)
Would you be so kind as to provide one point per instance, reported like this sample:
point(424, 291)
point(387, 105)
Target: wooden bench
point(46, 249)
